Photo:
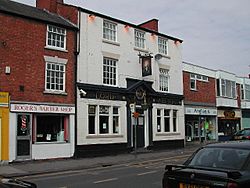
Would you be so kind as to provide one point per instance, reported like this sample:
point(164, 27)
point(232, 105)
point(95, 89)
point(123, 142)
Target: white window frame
point(228, 88)
point(163, 80)
point(109, 73)
point(55, 64)
point(163, 46)
point(140, 41)
point(110, 116)
point(193, 79)
point(109, 31)
point(246, 92)
point(57, 35)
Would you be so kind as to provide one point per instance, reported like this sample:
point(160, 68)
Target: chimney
point(50, 5)
point(151, 25)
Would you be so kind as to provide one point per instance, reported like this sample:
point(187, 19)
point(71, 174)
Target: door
point(23, 137)
point(140, 138)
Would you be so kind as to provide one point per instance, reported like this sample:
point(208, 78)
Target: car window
point(225, 158)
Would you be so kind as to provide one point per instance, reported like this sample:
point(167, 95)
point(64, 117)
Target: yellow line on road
point(107, 180)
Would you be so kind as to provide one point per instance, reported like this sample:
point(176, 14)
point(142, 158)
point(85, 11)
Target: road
point(145, 174)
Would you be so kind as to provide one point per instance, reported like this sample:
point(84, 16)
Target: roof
point(26, 11)
point(231, 144)
point(127, 23)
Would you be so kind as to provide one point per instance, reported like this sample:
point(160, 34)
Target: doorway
point(23, 137)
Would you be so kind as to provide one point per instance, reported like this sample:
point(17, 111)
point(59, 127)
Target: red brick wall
point(24, 52)
point(151, 24)
point(69, 12)
point(205, 91)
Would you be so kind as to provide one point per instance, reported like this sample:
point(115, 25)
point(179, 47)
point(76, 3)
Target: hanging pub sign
point(146, 65)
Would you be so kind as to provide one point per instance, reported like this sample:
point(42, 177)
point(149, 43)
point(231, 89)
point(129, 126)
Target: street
point(145, 174)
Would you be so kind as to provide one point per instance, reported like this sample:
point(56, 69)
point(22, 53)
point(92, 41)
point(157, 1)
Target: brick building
point(200, 102)
point(37, 64)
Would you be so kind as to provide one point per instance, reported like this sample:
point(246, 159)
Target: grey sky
point(216, 33)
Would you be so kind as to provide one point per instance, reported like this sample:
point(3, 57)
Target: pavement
point(35, 167)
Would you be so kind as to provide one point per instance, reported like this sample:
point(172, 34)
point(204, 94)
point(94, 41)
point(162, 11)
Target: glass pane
point(104, 124)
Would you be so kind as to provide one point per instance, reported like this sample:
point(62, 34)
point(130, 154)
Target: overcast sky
point(216, 33)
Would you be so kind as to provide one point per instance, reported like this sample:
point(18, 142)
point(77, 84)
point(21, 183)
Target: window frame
point(56, 34)
point(228, 88)
point(109, 33)
point(163, 46)
point(164, 79)
point(109, 78)
point(193, 80)
point(161, 117)
point(97, 120)
point(140, 40)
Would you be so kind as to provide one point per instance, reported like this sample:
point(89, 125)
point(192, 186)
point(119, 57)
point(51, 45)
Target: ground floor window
point(103, 119)
point(206, 125)
point(166, 120)
point(51, 128)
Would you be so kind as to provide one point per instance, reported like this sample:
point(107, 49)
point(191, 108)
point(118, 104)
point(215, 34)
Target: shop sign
point(4, 99)
point(41, 108)
point(201, 111)
point(229, 114)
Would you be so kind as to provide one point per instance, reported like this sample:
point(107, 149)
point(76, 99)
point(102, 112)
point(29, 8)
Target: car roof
point(231, 144)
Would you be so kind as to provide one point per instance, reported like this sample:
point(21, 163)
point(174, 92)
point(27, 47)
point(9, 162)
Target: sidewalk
point(58, 165)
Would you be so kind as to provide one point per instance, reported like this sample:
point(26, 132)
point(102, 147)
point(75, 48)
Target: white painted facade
point(90, 71)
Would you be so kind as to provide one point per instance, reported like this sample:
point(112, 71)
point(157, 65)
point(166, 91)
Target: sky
point(215, 33)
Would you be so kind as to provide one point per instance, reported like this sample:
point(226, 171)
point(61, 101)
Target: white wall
point(187, 67)
point(93, 48)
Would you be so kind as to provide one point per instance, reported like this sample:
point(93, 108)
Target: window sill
point(59, 142)
point(165, 56)
point(55, 93)
point(168, 134)
point(104, 136)
point(110, 42)
point(195, 90)
point(54, 48)
point(141, 50)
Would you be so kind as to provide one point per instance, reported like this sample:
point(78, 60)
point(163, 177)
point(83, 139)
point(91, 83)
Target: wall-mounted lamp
point(92, 17)
point(126, 27)
point(177, 42)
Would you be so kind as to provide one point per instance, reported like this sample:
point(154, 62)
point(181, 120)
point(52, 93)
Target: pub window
point(104, 119)
point(158, 120)
point(166, 120)
point(92, 119)
point(52, 128)
point(115, 120)
point(174, 120)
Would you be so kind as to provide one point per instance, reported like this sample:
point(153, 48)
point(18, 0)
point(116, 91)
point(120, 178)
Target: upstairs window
point(246, 92)
point(109, 71)
point(164, 79)
point(55, 77)
point(109, 30)
point(56, 37)
point(192, 82)
point(228, 88)
point(139, 39)
point(163, 46)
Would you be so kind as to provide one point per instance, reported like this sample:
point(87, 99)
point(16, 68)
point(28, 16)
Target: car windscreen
point(225, 158)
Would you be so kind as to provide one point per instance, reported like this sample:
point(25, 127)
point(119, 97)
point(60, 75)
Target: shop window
point(50, 128)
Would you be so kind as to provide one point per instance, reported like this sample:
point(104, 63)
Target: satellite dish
point(158, 56)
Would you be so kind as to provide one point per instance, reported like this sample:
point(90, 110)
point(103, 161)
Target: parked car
point(220, 165)
point(243, 134)
point(15, 183)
